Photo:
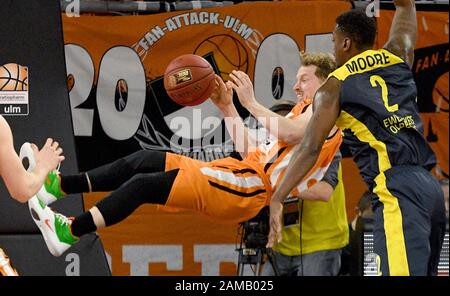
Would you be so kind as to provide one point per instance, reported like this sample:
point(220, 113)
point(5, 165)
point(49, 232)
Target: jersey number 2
point(374, 79)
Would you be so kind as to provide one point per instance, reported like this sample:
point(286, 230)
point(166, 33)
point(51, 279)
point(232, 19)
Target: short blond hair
point(324, 62)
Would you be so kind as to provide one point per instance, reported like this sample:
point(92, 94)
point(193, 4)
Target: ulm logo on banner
point(13, 89)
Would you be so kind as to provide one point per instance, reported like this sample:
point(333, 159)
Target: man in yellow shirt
point(313, 246)
point(313, 242)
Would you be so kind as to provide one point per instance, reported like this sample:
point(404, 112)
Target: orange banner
point(114, 67)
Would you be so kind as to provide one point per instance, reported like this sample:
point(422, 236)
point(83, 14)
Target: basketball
point(13, 77)
point(189, 80)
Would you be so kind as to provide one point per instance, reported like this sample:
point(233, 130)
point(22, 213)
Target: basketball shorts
point(409, 221)
point(227, 189)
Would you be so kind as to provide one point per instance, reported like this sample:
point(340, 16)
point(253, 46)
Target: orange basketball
point(13, 77)
point(189, 80)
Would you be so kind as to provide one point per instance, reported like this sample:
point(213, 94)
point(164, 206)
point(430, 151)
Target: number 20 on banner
point(123, 63)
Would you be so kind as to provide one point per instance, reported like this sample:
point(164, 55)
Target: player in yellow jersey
point(372, 98)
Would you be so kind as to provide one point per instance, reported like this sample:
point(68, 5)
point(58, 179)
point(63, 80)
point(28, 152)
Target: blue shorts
point(409, 221)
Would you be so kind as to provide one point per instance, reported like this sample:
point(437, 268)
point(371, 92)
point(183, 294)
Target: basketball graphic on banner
point(13, 77)
point(229, 53)
point(440, 93)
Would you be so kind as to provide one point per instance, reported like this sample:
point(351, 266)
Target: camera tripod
point(252, 250)
point(255, 257)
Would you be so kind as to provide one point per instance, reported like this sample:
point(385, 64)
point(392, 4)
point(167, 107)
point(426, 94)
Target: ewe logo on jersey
point(13, 89)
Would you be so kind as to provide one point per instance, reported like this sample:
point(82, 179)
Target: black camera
point(253, 243)
point(256, 230)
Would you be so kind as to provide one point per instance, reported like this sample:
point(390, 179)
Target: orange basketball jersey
point(230, 190)
point(274, 155)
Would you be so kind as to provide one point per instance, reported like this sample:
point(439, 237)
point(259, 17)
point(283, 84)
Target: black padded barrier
point(30, 257)
point(31, 36)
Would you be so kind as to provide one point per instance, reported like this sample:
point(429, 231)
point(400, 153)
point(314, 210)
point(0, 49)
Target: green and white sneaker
point(55, 228)
point(51, 190)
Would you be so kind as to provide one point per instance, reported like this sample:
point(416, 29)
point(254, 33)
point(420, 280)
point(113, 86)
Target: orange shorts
point(226, 189)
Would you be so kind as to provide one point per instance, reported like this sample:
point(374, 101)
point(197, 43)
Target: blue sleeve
point(331, 175)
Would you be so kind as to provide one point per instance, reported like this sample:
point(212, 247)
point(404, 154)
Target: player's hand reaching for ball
point(243, 86)
point(222, 96)
point(49, 156)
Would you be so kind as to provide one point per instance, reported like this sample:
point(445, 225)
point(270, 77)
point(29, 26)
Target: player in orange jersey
point(225, 189)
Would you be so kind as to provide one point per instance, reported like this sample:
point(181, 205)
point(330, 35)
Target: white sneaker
point(51, 189)
point(55, 228)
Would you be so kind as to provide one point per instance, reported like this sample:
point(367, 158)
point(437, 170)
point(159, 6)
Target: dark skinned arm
point(325, 112)
point(403, 33)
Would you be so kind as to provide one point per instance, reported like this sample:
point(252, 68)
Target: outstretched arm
point(325, 113)
point(222, 97)
point(22, 184)
point(403, 34)
point(288, 130)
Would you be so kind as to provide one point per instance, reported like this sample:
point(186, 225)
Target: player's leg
point(153, 188)
point(398, 235)
point(61, 232)
point(404, 214)
point(438, 226)
point(424, 224)
point(401, 228)
point(110, 176)
point(104, 178)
